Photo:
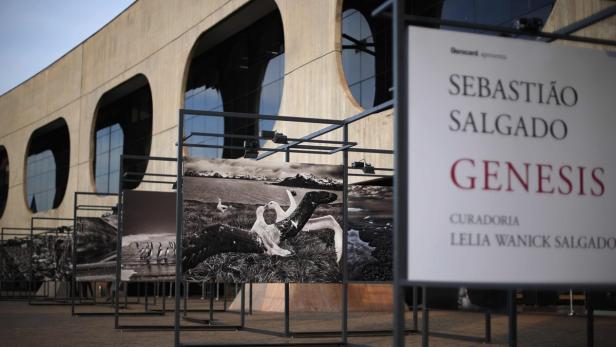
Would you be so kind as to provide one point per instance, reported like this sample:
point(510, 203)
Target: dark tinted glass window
point(4, 179)
point(243, 73)
point(109, 146)
point(367, 41)
point(47, 166)
point(123, 126)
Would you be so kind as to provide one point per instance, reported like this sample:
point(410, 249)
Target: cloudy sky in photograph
point(35, 33)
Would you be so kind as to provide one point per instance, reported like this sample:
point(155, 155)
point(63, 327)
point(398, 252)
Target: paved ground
point(40, 326)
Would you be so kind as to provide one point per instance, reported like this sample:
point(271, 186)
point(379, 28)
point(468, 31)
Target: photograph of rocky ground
point(248, 221)
point(46, 257)
point(96, 248)
point(370, 231)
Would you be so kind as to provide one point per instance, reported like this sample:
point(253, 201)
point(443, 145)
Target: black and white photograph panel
point(253, 221)
point(148, 236)
point(95, 247)
point(370, 237)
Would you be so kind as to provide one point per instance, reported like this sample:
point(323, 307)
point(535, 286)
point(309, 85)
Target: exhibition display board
point(252, 221)
point(509, 161)
point(148, 236)
point(95, 244)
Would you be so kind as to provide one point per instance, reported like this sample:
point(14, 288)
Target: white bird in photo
point(292, 203)
point(270, 237)
point(326, 222)
point(280, 213)
point(222, 208)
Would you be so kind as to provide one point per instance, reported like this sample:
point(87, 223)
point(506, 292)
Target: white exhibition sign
point(512, 161)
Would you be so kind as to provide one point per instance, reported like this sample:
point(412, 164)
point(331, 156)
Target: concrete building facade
point(151, 45)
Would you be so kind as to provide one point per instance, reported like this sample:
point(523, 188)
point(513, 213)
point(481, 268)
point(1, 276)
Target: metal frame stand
point(295, 146)
point(16, 295)
point(77, 285)
point(45, 299)
point(160, 179)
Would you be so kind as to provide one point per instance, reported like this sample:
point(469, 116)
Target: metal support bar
point(184, 112)
point(255, 137)
point(250, 299)
point(488, 327)
point(384, 106)
point(345, 225)
point(585, 22)
point(243, 305)
point(381, 8)
point(590, 321)
point(133, 173)
point(147, 181)
point(512, 313)
point(415, 308)
point(287, 329)
point(425, 318)
point(399, 103)
point(179, 230)
point(317, 149)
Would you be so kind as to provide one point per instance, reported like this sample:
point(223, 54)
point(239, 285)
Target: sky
point(35, 33)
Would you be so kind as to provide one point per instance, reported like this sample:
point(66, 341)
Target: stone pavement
point(41, 326)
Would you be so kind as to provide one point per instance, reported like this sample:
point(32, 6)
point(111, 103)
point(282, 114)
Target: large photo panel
point(148, 236)
point(257, 221)
point(95, 247)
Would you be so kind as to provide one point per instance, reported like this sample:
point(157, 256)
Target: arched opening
point(123, 125)
point(367, 40)
point(4, 179)
point(47, 166)
point(237, 66)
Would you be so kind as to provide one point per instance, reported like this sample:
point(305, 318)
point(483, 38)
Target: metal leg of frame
point(224, 293)
point(425, 328)
point(488, 327)
point(415, 308)
point(203, 290)
point(164, 297)
point(186, 291)
point(590, 330)
point(513, 312)
point(243, 305)
point(345, 214)
point(145, 296)
point(400, 89)
point(287, 329)
point(211, 304)
point(250, 299)
point(178, 228)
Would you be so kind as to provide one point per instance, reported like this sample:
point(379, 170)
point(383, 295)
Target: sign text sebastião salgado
point(511, 161)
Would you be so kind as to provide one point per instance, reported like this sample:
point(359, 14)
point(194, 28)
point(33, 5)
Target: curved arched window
point(358, 56)
point(237, 66)
point(367, 41)
point(123, 126)
point(4, 179)
point(47, 166)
